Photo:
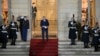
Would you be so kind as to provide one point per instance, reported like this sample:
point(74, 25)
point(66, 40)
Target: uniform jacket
point(13, 29)
point(96, 36)
point(85, 33)
point(72, 29)
point(4, 34)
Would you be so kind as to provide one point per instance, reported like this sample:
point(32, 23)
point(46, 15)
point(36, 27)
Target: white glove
point(17, 33)
point(28, 30)
point(7, 36)
point(99, 40)
point(45, 27)
point(76, 32)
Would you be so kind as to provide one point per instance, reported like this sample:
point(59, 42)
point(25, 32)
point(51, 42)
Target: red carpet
point(44, 48)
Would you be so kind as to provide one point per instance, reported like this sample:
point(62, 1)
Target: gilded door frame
point(91, 13)
point(56, 1)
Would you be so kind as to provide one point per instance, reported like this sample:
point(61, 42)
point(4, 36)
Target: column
point(0, 12)
point(79, 10)
point(92, 13)
point(97, 7)
point(88, 10)
point(9, 10)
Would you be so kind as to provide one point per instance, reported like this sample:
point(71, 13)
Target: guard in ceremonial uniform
point(85, 35)
point(4, 36)
point(96, 37)
point(44, 27)
point(13, 27)
point(20, 19)
point(25, 27)
point(72, 30)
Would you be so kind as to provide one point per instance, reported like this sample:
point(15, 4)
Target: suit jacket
point(44, 23)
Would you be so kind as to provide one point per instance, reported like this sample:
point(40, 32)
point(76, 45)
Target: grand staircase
point(20, 49)
point(65, 49)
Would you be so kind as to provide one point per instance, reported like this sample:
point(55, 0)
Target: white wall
point(20, 7)
point(98, 11)
point(65, 10)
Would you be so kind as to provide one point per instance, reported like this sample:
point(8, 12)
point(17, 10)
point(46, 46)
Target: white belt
point(86, 32)
point(72, 27)
point(13, 28)
point(4, 31)
point(96, 34)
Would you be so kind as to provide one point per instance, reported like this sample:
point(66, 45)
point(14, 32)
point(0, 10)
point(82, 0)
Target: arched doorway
point(47, 8)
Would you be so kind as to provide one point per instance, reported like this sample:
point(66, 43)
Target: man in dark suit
point(72, 30)
point(44, 27)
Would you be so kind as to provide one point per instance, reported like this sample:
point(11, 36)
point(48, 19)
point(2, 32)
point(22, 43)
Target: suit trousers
point(44, 32)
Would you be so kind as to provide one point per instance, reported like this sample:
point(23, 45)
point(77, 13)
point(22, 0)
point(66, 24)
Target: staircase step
point(70, 46)
point(14, 54)
point(82, 53)
point(76, 50)
point(14, 50)
point(68, 42)
point(46, 54)
point(78, 55)
point(20, 43)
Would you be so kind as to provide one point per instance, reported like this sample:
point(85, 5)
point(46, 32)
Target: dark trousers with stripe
point(24, 34)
